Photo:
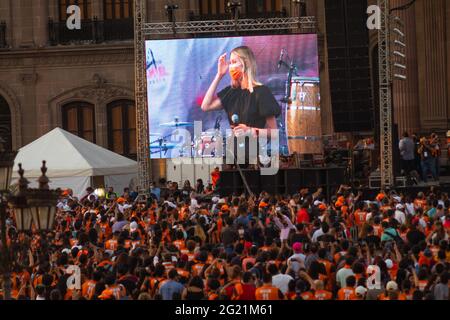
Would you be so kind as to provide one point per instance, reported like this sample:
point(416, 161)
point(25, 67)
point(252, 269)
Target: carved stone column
point(29, 110)
point(432, 64)
point(406, 93)
point(40, 22)
point(23, 23)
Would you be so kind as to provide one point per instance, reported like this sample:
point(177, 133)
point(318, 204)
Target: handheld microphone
point(235, 119)
point(217, 125)
point(280, 61)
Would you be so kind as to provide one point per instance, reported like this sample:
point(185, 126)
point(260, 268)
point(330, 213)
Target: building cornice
point(68, 55)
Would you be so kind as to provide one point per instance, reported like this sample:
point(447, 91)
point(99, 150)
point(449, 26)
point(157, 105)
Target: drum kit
point(203, 146)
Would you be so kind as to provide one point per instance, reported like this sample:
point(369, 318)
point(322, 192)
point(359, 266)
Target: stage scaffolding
point(385, 81)
point(144, 30)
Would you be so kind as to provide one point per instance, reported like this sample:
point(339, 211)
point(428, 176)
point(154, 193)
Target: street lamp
point(42, 202)
point(6, 167)
point(18, 202)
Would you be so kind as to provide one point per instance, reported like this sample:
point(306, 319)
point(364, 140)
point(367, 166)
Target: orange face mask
point(236, 73)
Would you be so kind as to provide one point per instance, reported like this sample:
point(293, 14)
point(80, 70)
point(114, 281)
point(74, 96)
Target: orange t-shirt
point(105, 231)
point(179, 244)
point(16, 282)
point(116, 291)
point(197, 269)
point(183, 273)
point(401, 296)
point(307, 296)
point(111, 245)
point(377, 230)
point(346, 293)
point(360, 217)
point(268, 293)
point(323, 295)
point(88, 289)
point(419, 203)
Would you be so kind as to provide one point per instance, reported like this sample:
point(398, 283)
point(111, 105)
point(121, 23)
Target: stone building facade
point(85, 83)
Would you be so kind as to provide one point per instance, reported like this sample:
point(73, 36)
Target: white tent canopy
point(72, 162)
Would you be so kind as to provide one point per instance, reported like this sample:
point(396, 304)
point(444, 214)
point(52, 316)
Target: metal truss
point(384, 51)
point(143, 152)
point(303, 24)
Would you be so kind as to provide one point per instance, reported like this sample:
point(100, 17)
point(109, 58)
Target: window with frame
point(85, 8)
point(79, 119)
point(122, 128)
point(117, 9)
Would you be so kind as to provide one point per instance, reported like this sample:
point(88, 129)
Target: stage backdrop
point(180, 71)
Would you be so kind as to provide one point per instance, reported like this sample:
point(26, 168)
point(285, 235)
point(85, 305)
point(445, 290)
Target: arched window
point(5, 124)
point(79, 119)
point(122, 128)
point(118, 9)
point(85, 8)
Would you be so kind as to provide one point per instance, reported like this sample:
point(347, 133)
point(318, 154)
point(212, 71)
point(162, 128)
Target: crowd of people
point(183, 244)
point(420, 156)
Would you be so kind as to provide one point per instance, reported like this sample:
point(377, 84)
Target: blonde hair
point(247, 59)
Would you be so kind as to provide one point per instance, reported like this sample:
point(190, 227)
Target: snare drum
point(205, 145)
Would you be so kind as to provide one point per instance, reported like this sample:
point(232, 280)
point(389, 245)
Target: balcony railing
point(3, 34)
point(227, 16)
point(92, 31)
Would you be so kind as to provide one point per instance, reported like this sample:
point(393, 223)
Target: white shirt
point(297, 265)
point(400, 216)
point(422, 223)
point(281, 281)
point(410, 209)
point(194, 205)
point(317, 234)
point(342, 275)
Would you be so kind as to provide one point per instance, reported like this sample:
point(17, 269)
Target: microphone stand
point(244, 179)
point(288, 90)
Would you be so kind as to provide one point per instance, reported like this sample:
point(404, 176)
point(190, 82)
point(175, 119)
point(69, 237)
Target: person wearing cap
point(297, 260)
point(392, 292)
point(360, 293)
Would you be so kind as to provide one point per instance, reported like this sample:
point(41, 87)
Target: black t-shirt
point(252, 108)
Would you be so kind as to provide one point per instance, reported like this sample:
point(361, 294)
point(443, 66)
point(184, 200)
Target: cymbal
point(163, 146)
point(175, 124)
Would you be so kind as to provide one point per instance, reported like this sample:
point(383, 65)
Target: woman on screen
point(247, 98)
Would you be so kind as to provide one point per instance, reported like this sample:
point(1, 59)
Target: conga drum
point(303, 120)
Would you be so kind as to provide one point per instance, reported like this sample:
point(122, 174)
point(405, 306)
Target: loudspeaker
point(349, 65)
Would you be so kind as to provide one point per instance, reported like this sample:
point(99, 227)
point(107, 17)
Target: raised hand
point(222, 66)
